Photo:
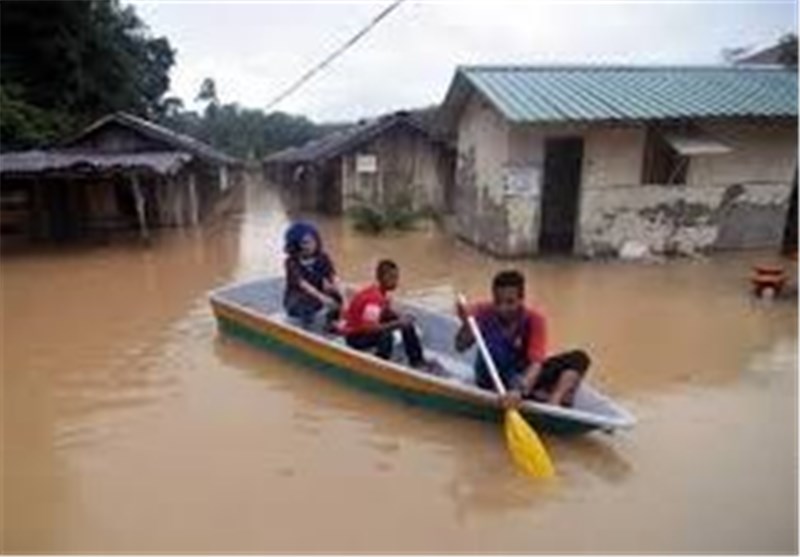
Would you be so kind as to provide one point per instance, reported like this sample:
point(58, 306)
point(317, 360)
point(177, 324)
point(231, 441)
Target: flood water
point(131, 426)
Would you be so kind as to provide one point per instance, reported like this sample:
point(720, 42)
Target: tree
point(208, 91)
point(787, 46)
point(243, 132)
point(75, 61)
point(784, 52)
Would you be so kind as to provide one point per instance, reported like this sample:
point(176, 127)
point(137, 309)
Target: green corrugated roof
point(592, 93)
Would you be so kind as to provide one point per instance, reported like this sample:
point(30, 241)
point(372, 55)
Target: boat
point(253, 312)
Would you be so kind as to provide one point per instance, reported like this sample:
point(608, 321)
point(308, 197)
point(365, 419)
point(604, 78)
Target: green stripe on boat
point(385, 389)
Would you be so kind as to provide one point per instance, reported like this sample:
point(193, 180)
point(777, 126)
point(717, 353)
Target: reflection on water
point(130, 425)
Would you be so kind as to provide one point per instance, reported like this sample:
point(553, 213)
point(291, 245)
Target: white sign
point(366, 164)
point(521, 180)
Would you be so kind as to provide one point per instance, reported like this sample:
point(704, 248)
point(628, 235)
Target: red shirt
point(365, 309)
point(536, 341)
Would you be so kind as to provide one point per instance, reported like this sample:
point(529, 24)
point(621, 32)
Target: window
point(668, 152)
point(662, 163)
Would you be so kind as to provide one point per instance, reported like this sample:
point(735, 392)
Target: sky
point(254, 50)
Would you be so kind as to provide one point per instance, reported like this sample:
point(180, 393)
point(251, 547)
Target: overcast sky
point(254, 50)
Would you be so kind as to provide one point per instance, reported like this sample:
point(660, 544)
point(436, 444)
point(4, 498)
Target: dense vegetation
point(244, 132)
point(64, 64)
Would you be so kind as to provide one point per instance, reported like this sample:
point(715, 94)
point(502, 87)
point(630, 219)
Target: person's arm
point(529, 378)
point(464, 338)
point(383, 319)
point(309, 289)
point(393, 324)
point(293, 276)
point(537, 350)
point(331, 282)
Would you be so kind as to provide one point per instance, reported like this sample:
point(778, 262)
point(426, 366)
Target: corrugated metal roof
point(334, 144)
point(597, 93)
point(159, 133)
point(22, 162)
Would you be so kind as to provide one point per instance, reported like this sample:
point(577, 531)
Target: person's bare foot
point(540, 395)
point(434, 367)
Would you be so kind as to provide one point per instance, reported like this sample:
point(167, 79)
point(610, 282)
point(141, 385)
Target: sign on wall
point(366, 164)
point(521, 180)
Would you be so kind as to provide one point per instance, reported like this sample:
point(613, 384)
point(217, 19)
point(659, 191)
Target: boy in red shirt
point(370, 320)
point(516, 337)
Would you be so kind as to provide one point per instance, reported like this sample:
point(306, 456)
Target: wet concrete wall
point(737, 200)
point(479, 199)
point(682, 219)
point(500, 169)
point(734, 200)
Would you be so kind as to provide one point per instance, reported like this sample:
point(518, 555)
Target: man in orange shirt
point(370, 320)
point(516, 337)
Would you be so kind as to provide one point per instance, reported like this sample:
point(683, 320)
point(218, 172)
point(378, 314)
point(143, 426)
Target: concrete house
point(582, 159)
point(377, 162)
point(120, 172)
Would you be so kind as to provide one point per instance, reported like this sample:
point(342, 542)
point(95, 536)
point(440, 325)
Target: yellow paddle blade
point(526, 448)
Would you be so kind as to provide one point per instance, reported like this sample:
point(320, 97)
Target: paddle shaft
point(487, 356)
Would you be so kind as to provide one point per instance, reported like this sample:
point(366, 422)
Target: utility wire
point(335, 54)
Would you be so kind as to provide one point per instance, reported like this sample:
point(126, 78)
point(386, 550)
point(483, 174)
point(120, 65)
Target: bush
point(367, 219)
point(398, 214)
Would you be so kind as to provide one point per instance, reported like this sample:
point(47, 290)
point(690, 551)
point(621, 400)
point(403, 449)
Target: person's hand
point(462, 312)
point(512, 399)
point(329, 302)
point(405, 320)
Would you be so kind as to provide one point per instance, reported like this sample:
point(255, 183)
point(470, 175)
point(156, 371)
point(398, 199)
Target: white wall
point(761, 152)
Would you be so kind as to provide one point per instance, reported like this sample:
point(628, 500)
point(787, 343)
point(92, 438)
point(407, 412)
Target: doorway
point(561, 186)
point(790, 228)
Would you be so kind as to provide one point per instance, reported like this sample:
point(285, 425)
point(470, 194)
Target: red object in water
point(767, 276)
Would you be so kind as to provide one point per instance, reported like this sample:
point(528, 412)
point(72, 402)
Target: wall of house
point(735, 200)
point(480, 202)
point(760, 152)
point(500, 170)
point(408, 167)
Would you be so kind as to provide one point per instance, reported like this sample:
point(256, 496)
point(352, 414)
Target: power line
point(335, 54)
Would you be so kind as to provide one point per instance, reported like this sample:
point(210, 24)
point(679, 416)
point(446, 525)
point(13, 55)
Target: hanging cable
point(335, 54)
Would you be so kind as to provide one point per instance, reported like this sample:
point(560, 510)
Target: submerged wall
point(683, 219)
point(735, 200)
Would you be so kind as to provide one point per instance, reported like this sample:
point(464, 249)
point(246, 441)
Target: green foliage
point(24, 126)
point(64, 64)
point(242, 132)
point(208, 91)
point(368, 219)
point(788, 50)
point(397, 214)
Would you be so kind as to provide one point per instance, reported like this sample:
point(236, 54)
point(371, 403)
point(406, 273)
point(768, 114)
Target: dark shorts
point(552, 370)
point(555, 366)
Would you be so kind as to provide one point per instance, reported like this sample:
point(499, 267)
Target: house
point(582, 159)
point(392, 159)
point(120, 172)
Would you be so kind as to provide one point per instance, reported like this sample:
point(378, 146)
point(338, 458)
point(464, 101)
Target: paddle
point(525, 447)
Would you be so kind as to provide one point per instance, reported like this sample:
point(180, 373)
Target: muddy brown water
point(131, 426)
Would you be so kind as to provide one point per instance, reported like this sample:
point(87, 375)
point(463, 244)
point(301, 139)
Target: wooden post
point(193, 208)
point(140, 212)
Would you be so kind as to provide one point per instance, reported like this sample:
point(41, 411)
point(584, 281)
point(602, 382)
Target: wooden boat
point(253, 312)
